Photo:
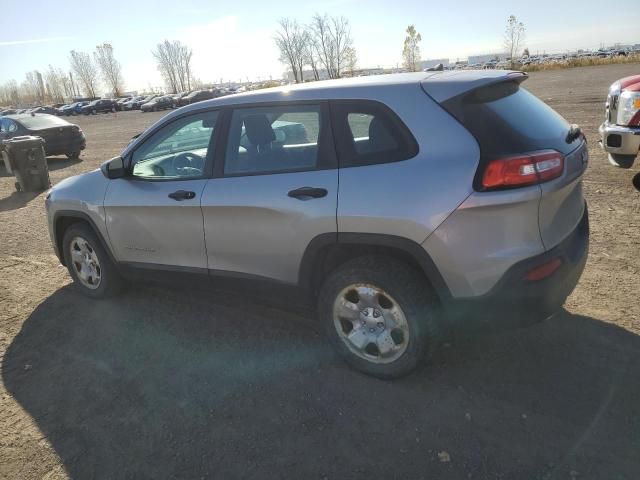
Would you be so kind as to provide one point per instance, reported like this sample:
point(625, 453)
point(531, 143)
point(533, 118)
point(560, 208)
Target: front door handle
point(182, 195)
point(305, 193)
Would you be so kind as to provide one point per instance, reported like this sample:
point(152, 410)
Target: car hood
point(631, 83)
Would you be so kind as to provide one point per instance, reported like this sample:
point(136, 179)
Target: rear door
point(154, 215)
point(275, 191)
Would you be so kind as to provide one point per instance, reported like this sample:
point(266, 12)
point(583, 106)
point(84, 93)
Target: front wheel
point(380, 315)
point(93, 272)
point(621, 161)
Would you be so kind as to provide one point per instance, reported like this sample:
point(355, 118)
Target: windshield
point(43, 121)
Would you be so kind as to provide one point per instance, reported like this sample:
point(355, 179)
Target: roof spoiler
point(446, 85)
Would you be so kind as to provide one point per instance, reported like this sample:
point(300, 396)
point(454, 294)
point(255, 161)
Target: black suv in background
point(101, 105)
point(158, 103)
point(196, 96)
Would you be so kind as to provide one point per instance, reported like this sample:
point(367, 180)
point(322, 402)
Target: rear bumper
point(515, 301)
point(75, 145)
point(619, 140)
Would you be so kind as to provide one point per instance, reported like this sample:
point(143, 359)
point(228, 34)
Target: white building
point(487, 57)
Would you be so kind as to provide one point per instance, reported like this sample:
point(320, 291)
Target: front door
point(276, 190)
point(153, 214)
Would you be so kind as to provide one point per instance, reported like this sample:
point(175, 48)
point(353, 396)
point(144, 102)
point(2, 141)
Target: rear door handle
point(182, 195)
point(305, 193)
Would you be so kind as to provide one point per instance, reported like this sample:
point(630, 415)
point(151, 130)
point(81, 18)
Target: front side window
point(370, 133)
point(178, 150)
point(273, 139)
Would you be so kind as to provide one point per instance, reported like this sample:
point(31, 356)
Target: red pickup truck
point(620, 132)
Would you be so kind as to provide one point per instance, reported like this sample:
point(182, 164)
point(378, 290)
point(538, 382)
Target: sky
point(233, 40)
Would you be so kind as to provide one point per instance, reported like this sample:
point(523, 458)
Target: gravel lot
point(164, 382)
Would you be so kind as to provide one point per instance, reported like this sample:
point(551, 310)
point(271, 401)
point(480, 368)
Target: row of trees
point(56, 85)
point(325, 44)
point(88, 72)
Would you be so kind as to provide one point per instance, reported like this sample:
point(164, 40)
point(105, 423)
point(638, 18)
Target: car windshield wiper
point(574, 132)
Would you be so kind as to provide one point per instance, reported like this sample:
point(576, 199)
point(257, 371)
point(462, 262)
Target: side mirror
point(113, 168)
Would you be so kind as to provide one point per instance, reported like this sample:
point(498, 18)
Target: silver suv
point(395, 203)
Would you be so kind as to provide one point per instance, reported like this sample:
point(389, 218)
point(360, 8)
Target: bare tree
point(331, 38)
point(86, 71)
point(351, 60)
point(58, 86)
point(411, 49)
point(110, 68)
point(30, 89)
point(292, 40)
point(174, 64)
point(9, 93)
point(311, 57)
point(513, 37)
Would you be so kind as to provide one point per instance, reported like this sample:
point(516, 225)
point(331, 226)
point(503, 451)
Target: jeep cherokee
point(393, 201)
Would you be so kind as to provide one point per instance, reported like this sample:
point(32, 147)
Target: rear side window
point(506, 119)
point(368, 133)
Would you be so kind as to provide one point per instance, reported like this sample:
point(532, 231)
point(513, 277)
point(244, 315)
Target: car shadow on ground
point(165, 383)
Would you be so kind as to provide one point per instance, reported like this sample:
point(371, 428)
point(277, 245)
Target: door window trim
point(210, 159)
point(347, 155)
point(327, 159)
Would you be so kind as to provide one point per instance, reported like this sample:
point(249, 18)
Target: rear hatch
point(510, 123)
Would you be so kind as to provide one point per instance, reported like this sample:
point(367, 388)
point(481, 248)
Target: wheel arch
point(63, 219)
point(327, 251)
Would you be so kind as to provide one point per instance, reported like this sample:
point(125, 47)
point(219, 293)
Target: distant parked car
point(120, 103)
point(73, 108)
point(196, 96)
point(102, 105)
point(60, 136)
point(47, 110)
point(136, 104)
point(9, 111)
point(158, 103)
point(128, 105)
point(620, 132)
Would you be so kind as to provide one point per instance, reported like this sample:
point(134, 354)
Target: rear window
point(39, 121)
point(506, 119)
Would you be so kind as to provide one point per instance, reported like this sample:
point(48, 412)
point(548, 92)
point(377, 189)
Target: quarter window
point(273, 139)
point(368, 133)
point(178, 150)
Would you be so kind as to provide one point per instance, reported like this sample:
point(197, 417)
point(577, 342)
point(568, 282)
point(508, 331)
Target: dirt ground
point(163, 382)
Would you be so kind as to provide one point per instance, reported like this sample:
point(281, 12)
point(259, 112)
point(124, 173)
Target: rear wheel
point(621, 161)
point(93, 272)
point(380, 315)
point(73, 155)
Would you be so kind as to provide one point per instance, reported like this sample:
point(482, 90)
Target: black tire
point(110, 281)
point(621, 161)
point(409, 289)
point(73, 155)
point(636, 181)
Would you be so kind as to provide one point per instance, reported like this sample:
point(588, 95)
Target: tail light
point(543, 271)
point(523, 170)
